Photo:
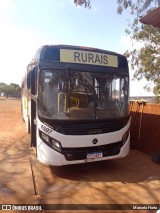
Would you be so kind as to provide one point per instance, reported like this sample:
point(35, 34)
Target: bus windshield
point(75, 95)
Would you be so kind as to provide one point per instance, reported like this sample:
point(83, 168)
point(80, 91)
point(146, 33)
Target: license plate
point(94, 155)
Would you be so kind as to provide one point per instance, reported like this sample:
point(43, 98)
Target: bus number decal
point(46, 129)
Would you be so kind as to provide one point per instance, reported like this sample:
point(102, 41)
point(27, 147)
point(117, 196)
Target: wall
point(145, 127)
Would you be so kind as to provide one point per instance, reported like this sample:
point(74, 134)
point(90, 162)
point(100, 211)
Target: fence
point(145, 126)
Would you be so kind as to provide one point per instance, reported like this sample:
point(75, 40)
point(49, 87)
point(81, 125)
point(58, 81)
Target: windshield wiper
point(94, 98)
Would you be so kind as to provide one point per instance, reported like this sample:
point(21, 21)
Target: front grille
point(87, 128)
point(81, 153)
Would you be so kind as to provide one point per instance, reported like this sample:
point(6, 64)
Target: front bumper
point(49, 156)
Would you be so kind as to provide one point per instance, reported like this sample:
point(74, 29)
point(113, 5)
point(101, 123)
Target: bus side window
point(29, 80)
point(32, 81)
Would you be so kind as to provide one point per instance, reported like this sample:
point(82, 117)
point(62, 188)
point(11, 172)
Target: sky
point(25, 25)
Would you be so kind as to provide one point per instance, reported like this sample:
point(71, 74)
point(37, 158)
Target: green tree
point(4, 89)
point(15, 88)
point(138, 7)
point(11, 89)
point(145, 61)
point(86, 3)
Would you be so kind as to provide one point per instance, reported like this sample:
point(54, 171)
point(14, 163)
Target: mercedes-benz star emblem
point(95, 141)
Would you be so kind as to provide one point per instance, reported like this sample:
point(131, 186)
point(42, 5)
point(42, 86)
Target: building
point(152, 18)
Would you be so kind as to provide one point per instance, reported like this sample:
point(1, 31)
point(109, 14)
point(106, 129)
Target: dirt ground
point(131, 180)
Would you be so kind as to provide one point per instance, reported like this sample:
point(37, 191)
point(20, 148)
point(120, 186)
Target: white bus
point(75, 103)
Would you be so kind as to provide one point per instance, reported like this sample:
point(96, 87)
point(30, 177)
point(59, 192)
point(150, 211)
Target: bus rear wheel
point(28, 126)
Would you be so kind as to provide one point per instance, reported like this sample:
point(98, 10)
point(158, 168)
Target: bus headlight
point(51, 142)
point(56, 145)
point(125, 137)
point(45, 137)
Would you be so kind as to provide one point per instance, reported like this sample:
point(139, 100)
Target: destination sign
point(87, 57)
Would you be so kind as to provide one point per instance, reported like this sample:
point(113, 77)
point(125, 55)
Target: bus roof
point(62, 46)
point(77, 57)
point(79, 47)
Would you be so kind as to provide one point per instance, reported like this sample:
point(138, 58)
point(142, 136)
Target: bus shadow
point(130, 169)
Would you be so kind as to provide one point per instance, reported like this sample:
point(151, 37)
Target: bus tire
point(33, 136)
point(22, 112)
point(28, 126)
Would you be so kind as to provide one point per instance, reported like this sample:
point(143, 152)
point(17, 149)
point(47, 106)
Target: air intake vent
point(90, 128)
